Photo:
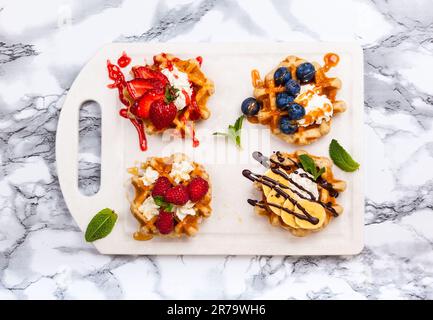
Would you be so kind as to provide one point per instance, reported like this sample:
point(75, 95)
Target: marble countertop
point(42, 49)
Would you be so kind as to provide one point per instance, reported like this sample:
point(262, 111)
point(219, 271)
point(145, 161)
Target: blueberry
point(250, 106)
point(281, 76)
point(293, 87)
point(305, 72)
point(286, 126)
point(284, 100)
point(296, 111)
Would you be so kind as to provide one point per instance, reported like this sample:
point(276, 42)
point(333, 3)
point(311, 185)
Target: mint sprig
point(101, 225)
point(233, 132)
point(160, 202)
point(341, 157)
point(310, 166)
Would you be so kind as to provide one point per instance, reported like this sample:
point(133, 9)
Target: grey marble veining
point(43, 253)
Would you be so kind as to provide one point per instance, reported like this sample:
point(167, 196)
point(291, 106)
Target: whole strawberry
point(177, 195)
point(161, 186)
point(165, 222)
point(197, 188)
point(162, 114)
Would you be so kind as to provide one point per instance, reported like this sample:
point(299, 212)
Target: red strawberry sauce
point(124, 60)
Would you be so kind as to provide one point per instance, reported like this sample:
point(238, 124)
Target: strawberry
point(165, 222)
point(162, 114)
point(147, 73)
point(177, 195)
point(161, 187)
point(197, 188)
point(138, 87)
point(143, 105)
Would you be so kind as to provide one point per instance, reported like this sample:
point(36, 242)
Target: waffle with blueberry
point(297, 100)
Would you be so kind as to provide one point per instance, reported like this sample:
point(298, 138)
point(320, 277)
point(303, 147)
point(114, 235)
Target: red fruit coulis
point(124, 60)
point(199, 60)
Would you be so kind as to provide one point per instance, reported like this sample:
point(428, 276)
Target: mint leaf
point(308, 163)
point(169, 207)
point(160, 202)
point(341, 157)
point(318, 174)
point(238, 123)
point(101, 225)
point(234, 132)
point(310, 166)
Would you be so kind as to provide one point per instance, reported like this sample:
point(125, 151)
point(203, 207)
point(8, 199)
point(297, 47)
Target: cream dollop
point(317, 108)
point(180, 81)
point(180, 170)
point(149, 208)
point(185, 210)
point(149, 176)
point(305, 183)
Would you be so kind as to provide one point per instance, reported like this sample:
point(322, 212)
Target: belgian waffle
point(325, 208)
point(265, 91)
point(202, 86)
point(186, 227)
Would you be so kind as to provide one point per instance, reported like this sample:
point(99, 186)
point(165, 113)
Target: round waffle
point(197, 109)
point(202, 86)
point(288, 162)
point(189, 225)
point(266, 91)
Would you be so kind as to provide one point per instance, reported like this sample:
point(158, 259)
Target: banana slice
point(274, 198)
point(288, 218)
point(276, 177)
point(315, 210)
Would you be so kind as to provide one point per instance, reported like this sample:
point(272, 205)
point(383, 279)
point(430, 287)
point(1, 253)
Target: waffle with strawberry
point(297, 100)
point(172, 196)
point(169, 94)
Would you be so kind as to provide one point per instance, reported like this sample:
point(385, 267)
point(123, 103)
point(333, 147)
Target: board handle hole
point(89, 148)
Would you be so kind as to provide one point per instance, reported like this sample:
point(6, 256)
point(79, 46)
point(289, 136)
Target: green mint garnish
point(341, 158)
point(168, 207)
point(101, 225)
point(233, 132)
point(310, 166)
point(171, 93)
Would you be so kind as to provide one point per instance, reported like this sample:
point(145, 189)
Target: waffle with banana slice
point(292, 198)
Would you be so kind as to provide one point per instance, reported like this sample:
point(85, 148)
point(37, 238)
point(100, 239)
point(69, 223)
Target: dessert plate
point(233, 228)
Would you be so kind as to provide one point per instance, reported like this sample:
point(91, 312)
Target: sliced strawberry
point(138, 87)
point(143, 105)
point(147, 73)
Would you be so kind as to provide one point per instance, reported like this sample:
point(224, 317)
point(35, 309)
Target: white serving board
point(233, 228)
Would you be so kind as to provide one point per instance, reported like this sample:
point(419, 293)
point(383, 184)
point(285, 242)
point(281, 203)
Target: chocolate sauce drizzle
point(320, 181)
point(263, 205)
point(271, 183)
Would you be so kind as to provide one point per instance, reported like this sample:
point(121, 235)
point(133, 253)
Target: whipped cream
point(185, 210)
point(149, 176)
point(149, 208)
point(317, 106)
point(305, 183)
point(180, 81)
point(180, 170)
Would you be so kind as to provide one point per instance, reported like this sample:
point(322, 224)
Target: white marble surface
point(43, 45)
